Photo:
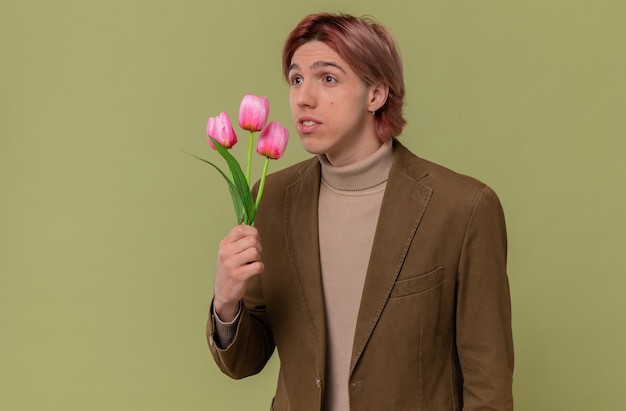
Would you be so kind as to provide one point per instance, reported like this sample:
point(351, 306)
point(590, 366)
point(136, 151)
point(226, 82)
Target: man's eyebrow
point(317, 65)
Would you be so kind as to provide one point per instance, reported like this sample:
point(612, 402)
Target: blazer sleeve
point(253, 343)
point(484, 334)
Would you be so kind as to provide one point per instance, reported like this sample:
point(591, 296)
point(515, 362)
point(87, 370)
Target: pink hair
point(369, 49)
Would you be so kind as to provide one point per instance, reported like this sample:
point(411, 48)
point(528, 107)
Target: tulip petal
point(253, 112)
point(273, 141)
point(221, 129)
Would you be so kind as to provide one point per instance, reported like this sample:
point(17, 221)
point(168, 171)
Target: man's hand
point(238, 260)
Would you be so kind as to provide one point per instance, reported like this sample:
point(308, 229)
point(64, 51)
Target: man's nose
point(306, 96)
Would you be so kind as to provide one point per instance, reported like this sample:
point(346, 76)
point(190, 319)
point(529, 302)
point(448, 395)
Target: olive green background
point(109, 231)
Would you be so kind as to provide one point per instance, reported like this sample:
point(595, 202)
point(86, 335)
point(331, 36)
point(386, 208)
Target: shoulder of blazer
point(433, 175)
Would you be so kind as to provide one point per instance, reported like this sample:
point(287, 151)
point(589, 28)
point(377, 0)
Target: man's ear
point(378, 96)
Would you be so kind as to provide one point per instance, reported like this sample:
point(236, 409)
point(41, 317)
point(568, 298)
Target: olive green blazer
point(434, 327)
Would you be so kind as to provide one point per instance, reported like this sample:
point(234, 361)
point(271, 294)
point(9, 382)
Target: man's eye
point(329, 79)
point(295, 80)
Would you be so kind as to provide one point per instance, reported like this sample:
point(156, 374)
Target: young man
point(380, 277)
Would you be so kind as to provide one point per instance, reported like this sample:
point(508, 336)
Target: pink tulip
point(273, 141)
point(221, 129)
point(253, 112)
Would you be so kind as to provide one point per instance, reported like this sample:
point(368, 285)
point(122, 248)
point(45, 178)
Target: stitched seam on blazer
point(477, 195)
point(420, 369)
point(455, 406)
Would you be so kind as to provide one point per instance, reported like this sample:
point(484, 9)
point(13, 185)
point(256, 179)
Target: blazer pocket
point(418, 284)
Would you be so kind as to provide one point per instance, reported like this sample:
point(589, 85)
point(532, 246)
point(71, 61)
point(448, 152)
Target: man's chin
point(310, 145)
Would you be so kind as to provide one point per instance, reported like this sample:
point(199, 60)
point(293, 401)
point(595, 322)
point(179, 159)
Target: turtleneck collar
point(363, 175)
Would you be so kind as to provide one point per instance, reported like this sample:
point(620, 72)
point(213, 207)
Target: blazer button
point(318, 382)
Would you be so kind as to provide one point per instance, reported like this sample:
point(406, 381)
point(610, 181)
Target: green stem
point(249, 156)
point(262, 184)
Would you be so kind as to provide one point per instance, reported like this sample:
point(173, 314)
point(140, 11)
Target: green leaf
point(239, 180)
point(234, 192)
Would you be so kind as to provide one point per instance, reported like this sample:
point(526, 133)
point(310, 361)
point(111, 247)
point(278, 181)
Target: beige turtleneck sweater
point(349, 204)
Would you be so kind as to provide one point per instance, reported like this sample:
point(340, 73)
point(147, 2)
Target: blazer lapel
point(403, 206)
point(301, 214)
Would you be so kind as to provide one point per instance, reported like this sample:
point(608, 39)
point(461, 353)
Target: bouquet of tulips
point(253, 115)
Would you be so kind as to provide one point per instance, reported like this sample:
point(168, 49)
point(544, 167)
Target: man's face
point(331, 106)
